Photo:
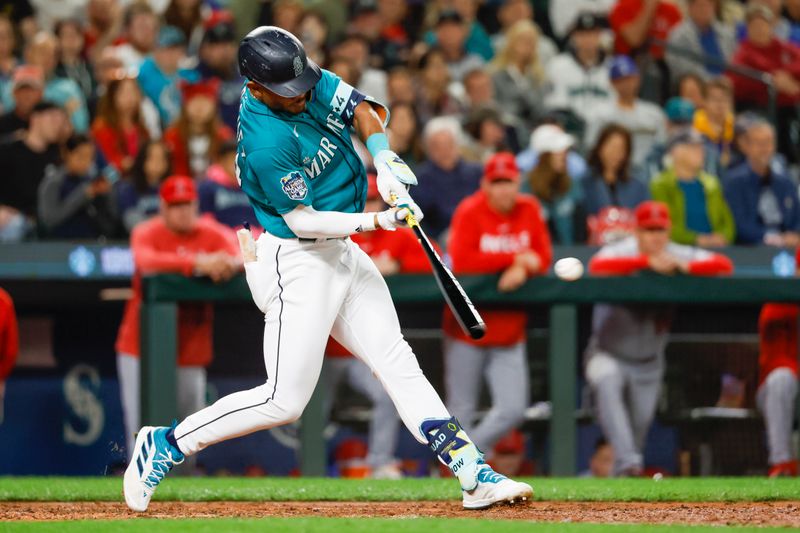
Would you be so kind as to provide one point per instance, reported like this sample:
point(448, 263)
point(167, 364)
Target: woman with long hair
point(119, 129)
point(432, 81)
point(196, 136)
point(187, 16)
point(403, 134)
point(519, 77)
point(137, 195)
point(558, 194)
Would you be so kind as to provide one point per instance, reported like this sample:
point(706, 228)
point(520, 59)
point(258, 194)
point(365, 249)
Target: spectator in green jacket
point(697, 207)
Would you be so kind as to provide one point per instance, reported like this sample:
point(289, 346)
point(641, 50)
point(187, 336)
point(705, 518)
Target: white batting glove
point(391, 219)
point(389, 163)
point(405, 202)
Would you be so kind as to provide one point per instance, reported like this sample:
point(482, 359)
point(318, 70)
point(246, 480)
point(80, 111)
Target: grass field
point(554, 490)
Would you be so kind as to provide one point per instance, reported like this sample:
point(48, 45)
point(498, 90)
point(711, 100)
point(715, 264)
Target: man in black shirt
point(27, 89)
point(24, 160)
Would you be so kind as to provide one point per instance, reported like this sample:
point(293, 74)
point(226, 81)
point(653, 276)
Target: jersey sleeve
point(281, 177)
point(342, 98)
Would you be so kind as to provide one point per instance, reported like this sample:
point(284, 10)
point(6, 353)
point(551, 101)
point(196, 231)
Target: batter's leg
point(606, 377)
point(507, 377)
point(644, 388)
point(463, 375)
point(776, 400)
point(384, 425)
point(128, 375)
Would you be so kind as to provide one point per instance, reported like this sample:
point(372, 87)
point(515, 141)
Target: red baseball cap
point(208, 88)
point(652, 215)
point(372, 186)
point(178, 190)
point(501, 166)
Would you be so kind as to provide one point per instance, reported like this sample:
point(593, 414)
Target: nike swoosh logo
point(295, 132)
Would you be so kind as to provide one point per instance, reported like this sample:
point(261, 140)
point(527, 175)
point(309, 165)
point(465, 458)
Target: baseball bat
point(467, 316)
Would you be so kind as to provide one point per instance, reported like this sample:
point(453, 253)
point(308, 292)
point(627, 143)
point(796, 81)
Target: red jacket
point(483, 241)
point(115, 146)
point(180, 153)
point(9, 336)
point(157, 249)
point(402, 246)
point(777, 330)
point(623, 266)
point(778, 55)
point(666, 17)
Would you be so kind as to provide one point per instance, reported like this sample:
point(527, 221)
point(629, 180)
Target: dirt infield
point(762, 514)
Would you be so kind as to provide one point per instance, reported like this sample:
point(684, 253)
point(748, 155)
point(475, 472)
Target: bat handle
point(411, 220)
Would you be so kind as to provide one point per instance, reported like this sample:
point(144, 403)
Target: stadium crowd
point(592, 107)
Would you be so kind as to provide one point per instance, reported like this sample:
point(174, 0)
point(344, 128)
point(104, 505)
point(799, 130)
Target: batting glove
point(388, 163)
point(391, 219)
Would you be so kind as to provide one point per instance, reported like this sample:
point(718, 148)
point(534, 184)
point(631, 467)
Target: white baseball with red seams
point(568, 268)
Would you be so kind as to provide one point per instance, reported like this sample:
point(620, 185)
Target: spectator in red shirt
point(625, 355)
point(119, 128)
point(393, 252)
point(9, 343)
point(496, 230)
point(177, 241)
point(636, 21)
point(196, 136)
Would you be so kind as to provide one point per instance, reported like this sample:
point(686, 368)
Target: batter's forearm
point(306, 222)
point(366, 121)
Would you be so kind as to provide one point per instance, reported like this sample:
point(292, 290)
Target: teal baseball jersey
point(285, 160)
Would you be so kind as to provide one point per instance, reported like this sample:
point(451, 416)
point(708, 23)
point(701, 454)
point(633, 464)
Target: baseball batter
point(297, 165)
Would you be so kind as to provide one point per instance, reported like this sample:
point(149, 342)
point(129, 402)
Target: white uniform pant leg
point(368, 327)
point(463, 376)
point(384, 425)
point(128, 376)
point(300, 286)
point(507, 377)
point(644, 388)
point(776, 401)
point(608, 381)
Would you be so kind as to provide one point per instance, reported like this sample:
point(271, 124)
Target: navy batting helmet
point(276, 60)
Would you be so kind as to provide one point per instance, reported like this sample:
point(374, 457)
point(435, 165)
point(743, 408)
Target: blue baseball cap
point(679, 110)
point(171, 36)
point(621, 67)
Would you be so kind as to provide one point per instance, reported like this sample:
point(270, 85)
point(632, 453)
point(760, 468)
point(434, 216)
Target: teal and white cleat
point(495, 488)
point(153, 457)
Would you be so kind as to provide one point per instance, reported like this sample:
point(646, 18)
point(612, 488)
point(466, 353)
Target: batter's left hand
point(405, 202)
point(388, 163)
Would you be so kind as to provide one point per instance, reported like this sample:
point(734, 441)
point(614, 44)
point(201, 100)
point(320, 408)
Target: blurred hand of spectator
point(666, 263)
point(512, 278)
point(785, 82)
point(99, 187)
point(219, 266)
point(531, 260)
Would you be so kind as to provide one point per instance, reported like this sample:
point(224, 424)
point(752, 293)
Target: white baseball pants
point(776, 399)
point(308, 290)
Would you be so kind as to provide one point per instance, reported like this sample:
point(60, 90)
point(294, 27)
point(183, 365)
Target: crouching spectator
point(393, 252)
point(74, 201)
point(220, 194)
point(777, 390)
point(177, 241)
point(496, 230)
point(625, 354)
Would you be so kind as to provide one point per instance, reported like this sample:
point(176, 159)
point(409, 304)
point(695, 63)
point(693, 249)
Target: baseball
point(568, 268)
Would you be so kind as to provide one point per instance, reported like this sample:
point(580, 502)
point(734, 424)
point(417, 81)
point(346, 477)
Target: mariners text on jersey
point(286, 160)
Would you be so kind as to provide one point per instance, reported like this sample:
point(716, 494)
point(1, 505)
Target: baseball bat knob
point(477, 331)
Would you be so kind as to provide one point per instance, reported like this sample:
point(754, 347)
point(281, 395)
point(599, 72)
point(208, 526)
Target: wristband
point(377, 142)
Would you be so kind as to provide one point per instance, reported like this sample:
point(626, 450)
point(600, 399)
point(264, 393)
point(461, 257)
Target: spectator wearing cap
point(496, 230)
point(519, 75)
point(445, 178)
point(625, 355)
point(635, 22)
point(160, 74)
point(27, 89)
point(700, 34)
point(393, 252)
point(74, 200)
point(119, 129)
point(220, 194)
point(529, 158)
point(512, 11)
point(177, 241)
point(140, 35)
point(451, 34)
point(556, 190)
point(610, 192)
point(762, 50)
point(761, 196)
point(42, 51)
point(715, 121)
point(579, 77)
point(218, 61)
point(698, 210)
point(645, 121)
point(25, 161)
point(136, 196)
point(477, 41)
point(565, 13)
point(71, 63)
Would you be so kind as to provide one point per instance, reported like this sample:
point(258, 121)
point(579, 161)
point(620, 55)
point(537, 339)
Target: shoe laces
point(162, 463)
point(487, 475)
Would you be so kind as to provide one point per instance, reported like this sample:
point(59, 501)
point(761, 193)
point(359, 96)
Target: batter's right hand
point(393, 218)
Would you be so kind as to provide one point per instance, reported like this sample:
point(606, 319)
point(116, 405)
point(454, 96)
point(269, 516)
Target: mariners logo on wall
point(294, 186)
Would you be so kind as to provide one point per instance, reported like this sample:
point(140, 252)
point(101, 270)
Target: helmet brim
point(299, 85)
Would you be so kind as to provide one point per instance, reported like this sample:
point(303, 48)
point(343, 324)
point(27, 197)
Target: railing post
point(563, 369)
point(158, 358)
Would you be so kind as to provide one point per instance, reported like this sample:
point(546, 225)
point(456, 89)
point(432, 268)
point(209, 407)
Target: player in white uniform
point(297, 164)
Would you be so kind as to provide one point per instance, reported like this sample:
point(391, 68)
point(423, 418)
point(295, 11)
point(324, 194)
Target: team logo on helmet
point(297, 63)
point(294, 186)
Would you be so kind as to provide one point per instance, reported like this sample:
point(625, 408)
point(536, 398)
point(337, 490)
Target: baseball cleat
point(495, 488)
point(153, 457)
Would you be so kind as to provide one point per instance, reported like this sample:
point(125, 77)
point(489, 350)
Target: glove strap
point(377, 142)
